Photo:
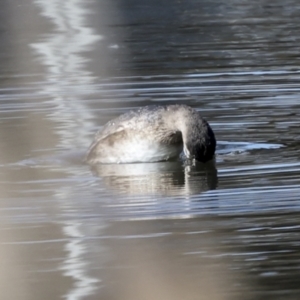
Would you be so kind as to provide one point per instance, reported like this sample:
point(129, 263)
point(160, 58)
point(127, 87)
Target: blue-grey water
point(224, 230)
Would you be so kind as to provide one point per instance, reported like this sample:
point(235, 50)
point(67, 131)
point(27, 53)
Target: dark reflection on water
point(162, 230)
point(204, 35)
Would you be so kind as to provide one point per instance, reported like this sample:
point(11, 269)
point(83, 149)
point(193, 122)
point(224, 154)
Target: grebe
point(153, 133)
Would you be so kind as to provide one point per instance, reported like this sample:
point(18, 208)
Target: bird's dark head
point(200, 142)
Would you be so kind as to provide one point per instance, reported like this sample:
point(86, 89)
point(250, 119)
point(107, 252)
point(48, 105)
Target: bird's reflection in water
point(164, 178)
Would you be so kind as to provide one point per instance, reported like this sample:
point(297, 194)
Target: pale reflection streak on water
point(66, 76)
point(65, 79)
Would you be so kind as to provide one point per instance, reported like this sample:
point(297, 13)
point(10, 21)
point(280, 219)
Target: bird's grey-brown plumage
point(153, 133)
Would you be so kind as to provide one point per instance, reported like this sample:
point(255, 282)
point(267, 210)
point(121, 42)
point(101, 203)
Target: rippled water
point(223, 230)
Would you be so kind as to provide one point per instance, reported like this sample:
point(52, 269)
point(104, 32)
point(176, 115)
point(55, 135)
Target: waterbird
point(153, 133)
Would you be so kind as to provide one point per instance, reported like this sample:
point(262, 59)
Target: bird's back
point(153, 133)
point(137, 136)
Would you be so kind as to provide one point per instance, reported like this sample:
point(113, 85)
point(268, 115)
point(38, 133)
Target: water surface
point(163, 230)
